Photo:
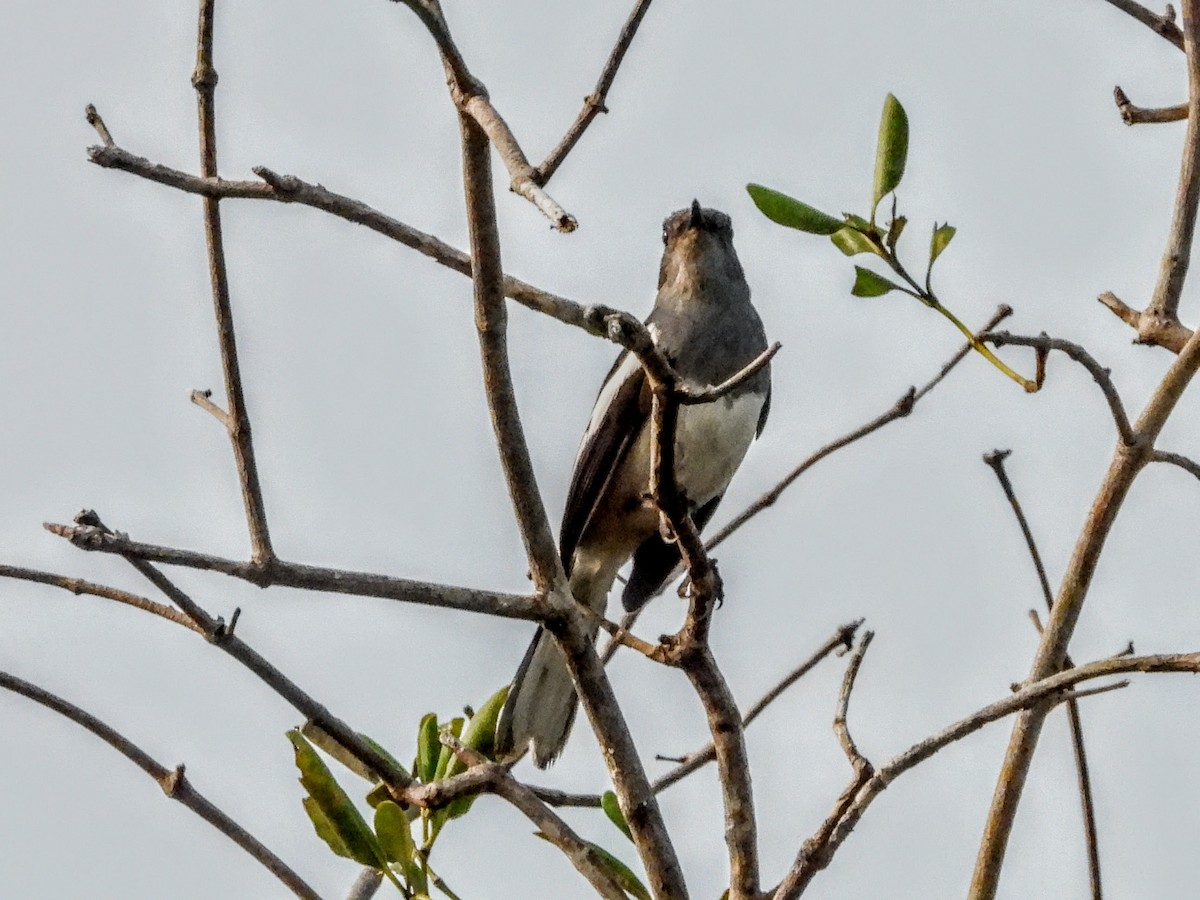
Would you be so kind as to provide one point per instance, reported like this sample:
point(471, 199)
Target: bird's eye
point(664, 234)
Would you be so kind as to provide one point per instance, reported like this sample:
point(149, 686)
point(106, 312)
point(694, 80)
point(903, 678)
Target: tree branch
point(499, 781)
point(1141, 115)
point(900, 409)
point(1047, 692)
point(174, 782)
point(995, 460)
point(1171, 335)
point(310, 578)
point(204, 80)
point(1127, 462)
point(593, 103)
point(809, 860)
point(633, 791)
point(1044, 344)
point(1176, 459)
point(471, 98)
point(78, 586)
point(1163, 25)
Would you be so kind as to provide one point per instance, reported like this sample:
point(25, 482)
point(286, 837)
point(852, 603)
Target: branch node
point(173, 781)
point(96, 122)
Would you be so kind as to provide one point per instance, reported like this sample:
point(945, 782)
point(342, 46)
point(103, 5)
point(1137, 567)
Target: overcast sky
point(375, 450)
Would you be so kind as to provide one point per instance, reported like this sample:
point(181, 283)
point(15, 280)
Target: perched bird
point(706, 326)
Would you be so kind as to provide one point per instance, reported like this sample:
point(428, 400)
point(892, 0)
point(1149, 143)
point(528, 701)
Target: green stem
point(1030, 386)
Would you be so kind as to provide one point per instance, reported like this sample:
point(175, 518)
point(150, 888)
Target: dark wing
point(622, 408)
point(762, 416)
point(655, 560)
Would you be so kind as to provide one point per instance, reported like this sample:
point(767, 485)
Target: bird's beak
point(697, 217)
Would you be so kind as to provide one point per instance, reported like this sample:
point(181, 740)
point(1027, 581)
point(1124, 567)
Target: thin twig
point(995, 460)
point(596, 319)
point(173, 782)
point(366, 884)
point(499, 781)
point(96, 122)
point(1132, 114)
point(1152, 330)
point(1163, 25)
point(840, 725)
point(78, 586)
point(305, 577)
point(471, 98)
point(594, 103)
point(900, 409)
point(1047, 692)
point(204, 80)
point(689, 397)
point(1044, 343)
point(1126, 463)
point(815, 853)
point(1176, 459)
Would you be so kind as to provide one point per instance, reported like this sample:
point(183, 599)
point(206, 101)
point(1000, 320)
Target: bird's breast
point(710, 441)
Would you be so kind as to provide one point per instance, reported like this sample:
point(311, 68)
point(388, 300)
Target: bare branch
point(551, 826)
point(366, 884)
point(633, 791)
point(96, 122)
point(1047, 693)
point(1141, 115)
point(491, 321)
point(78, 586)
point(1151, 329)
point(471, 98)
point(1176, 459)
point(1163, 25)
point(816, 852)
point(995, 460)
point(840, 726)
point(1043, 343)
point(689, 397)
point(593, 103)
point(204, 79)
point(594, 319)
point(173, 782)
point(1126, 463)
point(841, 639)
point(305, 577)
point(900, 409)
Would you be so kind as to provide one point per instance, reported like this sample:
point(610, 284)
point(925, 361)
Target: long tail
point(541, 703)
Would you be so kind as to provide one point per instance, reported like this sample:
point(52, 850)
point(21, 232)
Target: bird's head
point(699, 261)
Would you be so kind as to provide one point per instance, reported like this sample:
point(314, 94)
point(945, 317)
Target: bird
point(704, 323)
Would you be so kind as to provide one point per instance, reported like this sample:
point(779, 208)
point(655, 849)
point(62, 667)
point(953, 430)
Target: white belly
point(711, 440)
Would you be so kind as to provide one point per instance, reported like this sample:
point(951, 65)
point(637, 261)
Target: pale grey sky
point(376, 453)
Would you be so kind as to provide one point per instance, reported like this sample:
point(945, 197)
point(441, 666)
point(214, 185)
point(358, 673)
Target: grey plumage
point(705, 324)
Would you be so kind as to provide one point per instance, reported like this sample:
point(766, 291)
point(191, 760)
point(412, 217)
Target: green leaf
point(612, 809)
point(322, 740)
point(869, 284)
point(858, 223)
point(395, 838)
point(851, 241)
point(480, 735)
point(891, 151)
point(787, 211)
point(428, 748)
point(392, 832)
point(621, 873)
point(942, 235)
point(336, 819)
